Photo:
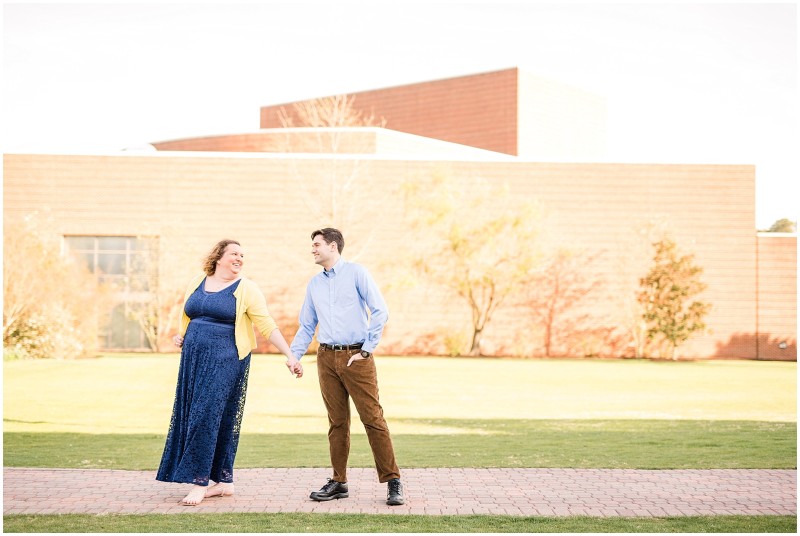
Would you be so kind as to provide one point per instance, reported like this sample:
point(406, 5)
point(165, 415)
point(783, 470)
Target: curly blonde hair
point(210, 264)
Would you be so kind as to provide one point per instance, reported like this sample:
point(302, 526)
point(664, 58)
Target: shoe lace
point(330, 486)
point(394, 487)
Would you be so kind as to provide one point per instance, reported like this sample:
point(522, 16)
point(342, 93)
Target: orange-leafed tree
point(667, 298)
point(475, 238)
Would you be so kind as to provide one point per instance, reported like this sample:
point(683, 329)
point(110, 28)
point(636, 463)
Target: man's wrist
point(365, 354)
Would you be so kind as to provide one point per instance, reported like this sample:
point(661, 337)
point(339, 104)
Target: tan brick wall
point(268, 203)
point(777, 296)
point(603, 209)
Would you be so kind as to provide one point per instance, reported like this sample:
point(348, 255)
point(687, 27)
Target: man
point(337, 300)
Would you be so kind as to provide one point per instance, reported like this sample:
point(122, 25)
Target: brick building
point(271, 187)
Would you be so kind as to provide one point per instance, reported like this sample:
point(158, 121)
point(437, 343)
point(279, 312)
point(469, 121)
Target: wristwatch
point(365, 354)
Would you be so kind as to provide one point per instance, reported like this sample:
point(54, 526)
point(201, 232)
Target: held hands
point(295, 367)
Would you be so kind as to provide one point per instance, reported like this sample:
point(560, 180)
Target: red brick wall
point(476, 110)
point(281, 141)
point(777, 296)
point(231, 143)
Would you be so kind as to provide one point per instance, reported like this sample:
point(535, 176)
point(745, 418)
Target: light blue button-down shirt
point(337, 300)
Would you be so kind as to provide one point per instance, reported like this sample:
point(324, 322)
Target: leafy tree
point(666, 297)
point(784, 225)
point(474, 238)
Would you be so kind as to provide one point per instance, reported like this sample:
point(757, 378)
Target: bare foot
point(195, 496)
point(220, 489)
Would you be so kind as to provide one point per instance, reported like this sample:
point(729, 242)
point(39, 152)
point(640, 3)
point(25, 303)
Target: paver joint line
point(523, 492)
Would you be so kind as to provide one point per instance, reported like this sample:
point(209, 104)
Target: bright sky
point(685, 82)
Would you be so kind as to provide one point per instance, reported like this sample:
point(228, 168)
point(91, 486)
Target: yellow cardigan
point(251, 309)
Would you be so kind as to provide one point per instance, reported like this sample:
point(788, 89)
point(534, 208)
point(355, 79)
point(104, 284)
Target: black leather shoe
point(395, 495)
point(331, 490)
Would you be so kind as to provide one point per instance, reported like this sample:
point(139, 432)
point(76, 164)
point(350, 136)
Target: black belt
point(339, 347)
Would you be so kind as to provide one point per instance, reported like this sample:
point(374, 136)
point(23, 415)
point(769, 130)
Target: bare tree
point(52, 305)
point(157, 285)
point(337, 192)
point(155, 302)
point(556, 291)
point(336, 111)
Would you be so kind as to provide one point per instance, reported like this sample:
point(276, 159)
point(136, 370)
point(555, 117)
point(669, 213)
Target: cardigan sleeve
point(256, 309)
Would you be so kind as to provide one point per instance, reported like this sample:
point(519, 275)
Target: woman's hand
point(294, 366)
point(178, 340)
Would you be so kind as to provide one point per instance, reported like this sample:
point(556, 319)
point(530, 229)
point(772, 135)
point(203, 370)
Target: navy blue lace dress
point(209, 400)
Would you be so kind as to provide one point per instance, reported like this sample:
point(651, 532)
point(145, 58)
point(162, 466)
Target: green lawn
point(113, 412)
point(615, 444)
point(133, 395)
point(353, 523)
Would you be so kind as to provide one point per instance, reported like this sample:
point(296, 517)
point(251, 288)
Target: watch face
point(364, 353)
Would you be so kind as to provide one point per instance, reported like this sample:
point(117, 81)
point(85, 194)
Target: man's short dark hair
point(329, 234)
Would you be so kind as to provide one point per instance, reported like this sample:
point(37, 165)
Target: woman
point(220, 310)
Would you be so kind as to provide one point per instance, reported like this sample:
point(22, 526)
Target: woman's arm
point(263, 321)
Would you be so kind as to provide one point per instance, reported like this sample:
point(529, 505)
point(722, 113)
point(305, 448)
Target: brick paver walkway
point(528, 492)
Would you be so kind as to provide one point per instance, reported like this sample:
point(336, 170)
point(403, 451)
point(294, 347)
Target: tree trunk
point(476, 342)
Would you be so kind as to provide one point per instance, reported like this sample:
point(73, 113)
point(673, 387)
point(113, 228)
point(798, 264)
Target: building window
point(129, 266)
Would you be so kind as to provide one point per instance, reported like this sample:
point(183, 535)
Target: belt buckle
point(341, 347)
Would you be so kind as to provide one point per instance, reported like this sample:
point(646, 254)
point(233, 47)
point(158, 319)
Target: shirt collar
point(335, 268)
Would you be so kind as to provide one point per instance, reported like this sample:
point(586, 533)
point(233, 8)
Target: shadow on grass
point(613, 444)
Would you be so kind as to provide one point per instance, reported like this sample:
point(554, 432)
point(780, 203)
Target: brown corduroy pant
point(338, 383)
